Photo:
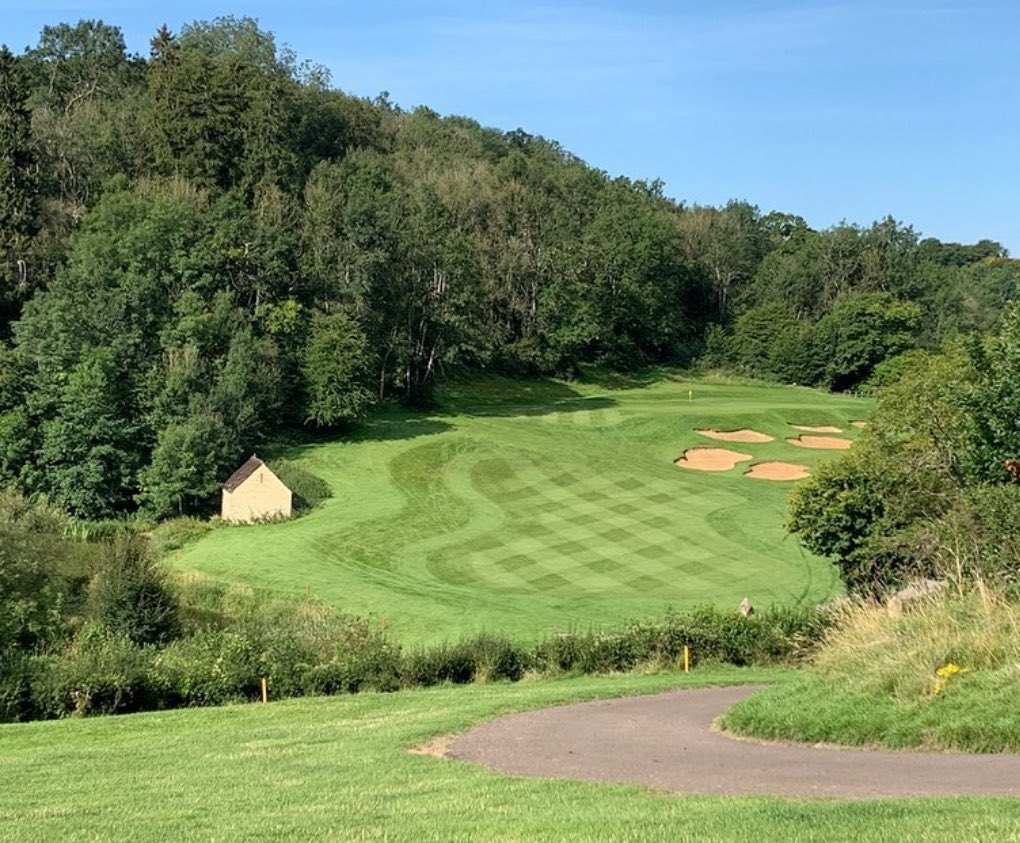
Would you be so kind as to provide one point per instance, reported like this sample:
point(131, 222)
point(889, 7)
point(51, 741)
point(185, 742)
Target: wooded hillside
point(207, 243)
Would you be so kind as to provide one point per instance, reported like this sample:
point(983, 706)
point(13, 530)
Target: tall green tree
point(75, 63)
point(85, 92)
point(645, 301)
point(336, 370)
point(88, 454)
point(19, 190)
point(930, 485)
point(193, 114)
point(860, 332)
point(221, 106)
point(728, 243)
point(994, 401)
point(186, 466)
point(130, 595)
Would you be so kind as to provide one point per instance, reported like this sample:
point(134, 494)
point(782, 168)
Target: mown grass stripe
point(428, 509)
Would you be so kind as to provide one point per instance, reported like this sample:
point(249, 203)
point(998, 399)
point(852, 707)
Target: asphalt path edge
point(668, 741)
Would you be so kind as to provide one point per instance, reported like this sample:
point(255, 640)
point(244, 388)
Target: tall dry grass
point(875, 648)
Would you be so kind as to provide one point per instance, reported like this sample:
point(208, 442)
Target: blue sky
point(831, 110)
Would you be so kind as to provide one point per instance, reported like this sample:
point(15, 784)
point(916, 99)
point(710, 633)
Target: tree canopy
point(932, 489)
point(206, 244)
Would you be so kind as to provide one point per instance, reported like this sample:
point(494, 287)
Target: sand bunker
point(829, 443)
point(742, 435)
point(777, 471)
point(818, 428)
point(710, 459)
point(861, 424)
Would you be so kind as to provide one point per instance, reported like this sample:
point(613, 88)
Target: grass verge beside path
point(978, 714)
point(336, 768)
point(940, 674)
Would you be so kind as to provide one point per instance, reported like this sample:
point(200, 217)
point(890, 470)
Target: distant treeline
point(203, 245)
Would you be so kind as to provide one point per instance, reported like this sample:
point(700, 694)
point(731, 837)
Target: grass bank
point(941, 675)
point(336, 769)
point(536, 507)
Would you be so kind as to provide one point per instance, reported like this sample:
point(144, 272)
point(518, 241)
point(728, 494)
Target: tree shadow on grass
point(580, 404)
point(479, 396)
point(494, 395)
point(385, 426)
point(389, 428)
point(608, 379)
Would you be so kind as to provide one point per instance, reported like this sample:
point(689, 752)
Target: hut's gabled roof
point(243, 473)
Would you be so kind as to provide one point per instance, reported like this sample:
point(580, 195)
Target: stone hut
point(254, 493)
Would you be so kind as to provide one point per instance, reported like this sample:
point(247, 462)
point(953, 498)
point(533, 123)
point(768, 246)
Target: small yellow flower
point(944, 674)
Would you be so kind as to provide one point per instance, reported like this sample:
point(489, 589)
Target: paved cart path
point(666, 742)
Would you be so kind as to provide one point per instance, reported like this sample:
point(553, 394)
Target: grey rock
point(913, 592)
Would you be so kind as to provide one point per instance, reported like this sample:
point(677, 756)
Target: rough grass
point(876, 679)
point(528, 508)
point(175, 533)
point(337, 769)
point(896, 653)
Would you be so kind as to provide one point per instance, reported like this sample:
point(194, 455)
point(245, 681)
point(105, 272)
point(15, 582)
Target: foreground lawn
point(336, 769)
point(528, 508)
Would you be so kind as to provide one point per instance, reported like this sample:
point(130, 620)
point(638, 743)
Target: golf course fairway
point(528, 508)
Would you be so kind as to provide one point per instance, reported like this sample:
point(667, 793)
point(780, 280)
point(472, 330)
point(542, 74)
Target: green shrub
point(102, 673)
point(499, 658)
point(35, 515)
point(317, 645)
point(338, 676)
point(892, 369)
point(307, 649)
point(373, 659)
point(440, 663)
point(16, 678)
point(175, 533)
point(483, 658)
point(711, 634)
point(559, 654)
point(727, 636)
point(300, 649)
point(209, 668)
point(976, 539)
point(130, 595)
point(373, 664)
point(42, 577)
point(309, 490)
point(611, 652)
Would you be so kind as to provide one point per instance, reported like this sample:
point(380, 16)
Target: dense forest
point(207, 244)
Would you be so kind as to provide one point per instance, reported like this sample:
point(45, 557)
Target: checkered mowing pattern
point(577, 531)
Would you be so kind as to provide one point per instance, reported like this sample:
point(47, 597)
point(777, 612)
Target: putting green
point(537, 507)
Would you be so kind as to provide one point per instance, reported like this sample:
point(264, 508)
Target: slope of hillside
point(543, 506)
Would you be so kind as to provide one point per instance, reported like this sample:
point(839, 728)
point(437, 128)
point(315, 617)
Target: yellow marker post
point(687, 659)
point(265, 691)
point(690, 395)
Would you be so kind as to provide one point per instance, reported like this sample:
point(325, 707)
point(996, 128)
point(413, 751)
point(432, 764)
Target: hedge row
point(313, 651)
